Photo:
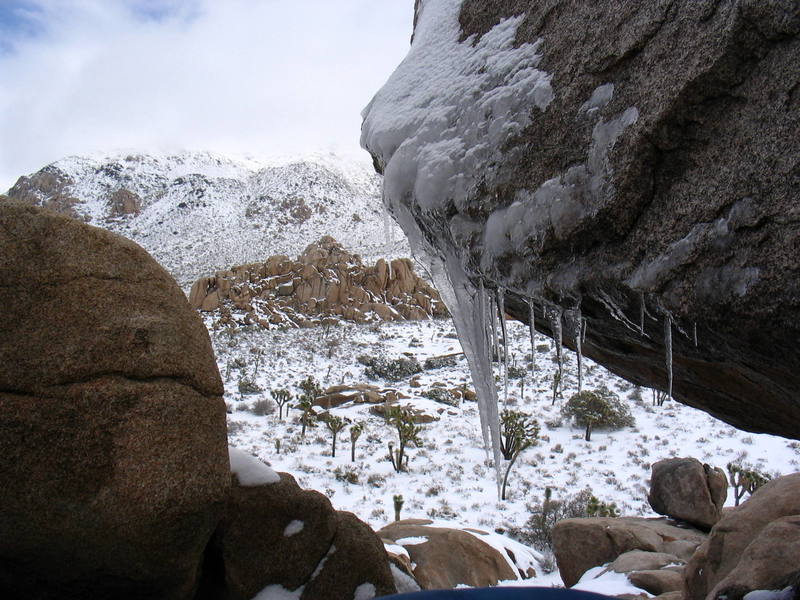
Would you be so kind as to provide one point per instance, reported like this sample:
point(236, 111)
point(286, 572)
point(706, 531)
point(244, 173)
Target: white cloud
point(241, 76)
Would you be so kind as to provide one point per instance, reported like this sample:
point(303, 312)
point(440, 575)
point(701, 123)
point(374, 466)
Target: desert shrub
point(347, 473)
point(598, 408)
point(262, 407)
point(515, 372)
point(438, 362)
point(440, 394)
point(247, 386)
point(538, 530)
point(379, 367)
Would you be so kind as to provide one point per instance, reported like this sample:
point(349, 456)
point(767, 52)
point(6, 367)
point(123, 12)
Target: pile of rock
point(750, 547)
point(325, 284)
point(116, 478)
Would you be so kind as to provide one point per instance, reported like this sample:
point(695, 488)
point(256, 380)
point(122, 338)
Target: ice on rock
point(532, 326)
point(555, 327)
point(577, 326)
point(668, 351)
point(433, 128)
point(501, 314)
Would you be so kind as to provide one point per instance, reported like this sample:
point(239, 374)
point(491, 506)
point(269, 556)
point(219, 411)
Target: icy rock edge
point(440, 118)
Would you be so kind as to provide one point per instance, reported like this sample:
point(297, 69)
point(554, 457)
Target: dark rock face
point(114, 463)
point(660, 184)
point(686, 489)
point(280, 535)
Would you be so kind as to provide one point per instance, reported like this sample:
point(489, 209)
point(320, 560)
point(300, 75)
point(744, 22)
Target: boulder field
point(627, 170)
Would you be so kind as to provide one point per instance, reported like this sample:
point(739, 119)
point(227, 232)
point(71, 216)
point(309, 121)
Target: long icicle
point(694, 333)
point(482, 312)
point(501, 312)
point(493, 321)
point(577, 327)
point(668, 350)
point(641, 313)
point(532, 325)
point(555, 326)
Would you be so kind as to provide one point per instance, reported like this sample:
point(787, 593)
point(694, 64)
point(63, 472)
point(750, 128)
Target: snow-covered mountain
point(200, 212)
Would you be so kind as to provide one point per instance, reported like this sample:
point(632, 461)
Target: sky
point(254, 77)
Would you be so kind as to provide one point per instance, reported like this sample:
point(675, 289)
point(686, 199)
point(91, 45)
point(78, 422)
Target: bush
point(390, 370)
point(440, 394)
point(263, 407)
point(248, 386)
point(538, 530)
point(600, 408)
point(515, 372)
point(438, 362)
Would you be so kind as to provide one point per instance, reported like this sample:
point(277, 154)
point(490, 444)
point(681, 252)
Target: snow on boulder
point(113, 445)
point(626, 171)
point(249, 470)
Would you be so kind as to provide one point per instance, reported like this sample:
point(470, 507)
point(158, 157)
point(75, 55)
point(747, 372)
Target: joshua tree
point(745, 480)
point(335, 425)
point(355, 432)
point(311, 391)
point(519, 431)
point(398, 505)
point(599, 408)
point(282, 398)
point(598, 508)
point(407, 432)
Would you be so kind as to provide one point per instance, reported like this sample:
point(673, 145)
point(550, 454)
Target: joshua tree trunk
point(505, 478)
point(333, 449)
point(588, 435)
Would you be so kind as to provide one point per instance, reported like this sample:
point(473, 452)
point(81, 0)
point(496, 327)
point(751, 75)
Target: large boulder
point(768, 563)
point(444, 558)
point(628, 166)
point(276, 534)
point(688, 490)
point(719, 556)
point(580, 544)
point(114, 467)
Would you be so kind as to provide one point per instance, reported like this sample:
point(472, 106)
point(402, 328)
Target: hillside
point(197, 213)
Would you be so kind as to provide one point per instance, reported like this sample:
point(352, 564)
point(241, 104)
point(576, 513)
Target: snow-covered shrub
point(379, 367)
point(598, 408)
point(442, 395)
point(437, 362)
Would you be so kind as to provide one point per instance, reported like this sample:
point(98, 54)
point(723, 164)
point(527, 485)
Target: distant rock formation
point(325, 284)
point(633, 166)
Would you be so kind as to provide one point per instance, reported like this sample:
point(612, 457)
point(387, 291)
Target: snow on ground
point(450, 477)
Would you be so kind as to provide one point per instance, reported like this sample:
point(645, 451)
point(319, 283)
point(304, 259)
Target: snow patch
point(278, 592)
point(293, 528)
point(411, 541)
point(610, 583)
point(366, 591)
point(249, 470)
point(403, 582)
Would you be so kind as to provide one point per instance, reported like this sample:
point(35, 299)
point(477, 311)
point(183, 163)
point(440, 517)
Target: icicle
point(577, 326)
point(483, 314)
point(532, 325)
point(501, 312)
point(668, 349)
point(583, 333)
point(495, 350)
point(555, 326)
point(641, 313)
point(694, 333)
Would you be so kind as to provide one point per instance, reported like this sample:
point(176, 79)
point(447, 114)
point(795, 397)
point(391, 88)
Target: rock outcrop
point(580, 544)
point(112, 424)
point(443, 558)
point(323, 285)
point(631, 166)
point(748, 543)
point(687, 490)
point(279, 535)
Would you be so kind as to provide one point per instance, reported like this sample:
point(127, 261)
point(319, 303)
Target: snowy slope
point(203, 212)
point(451, 477)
